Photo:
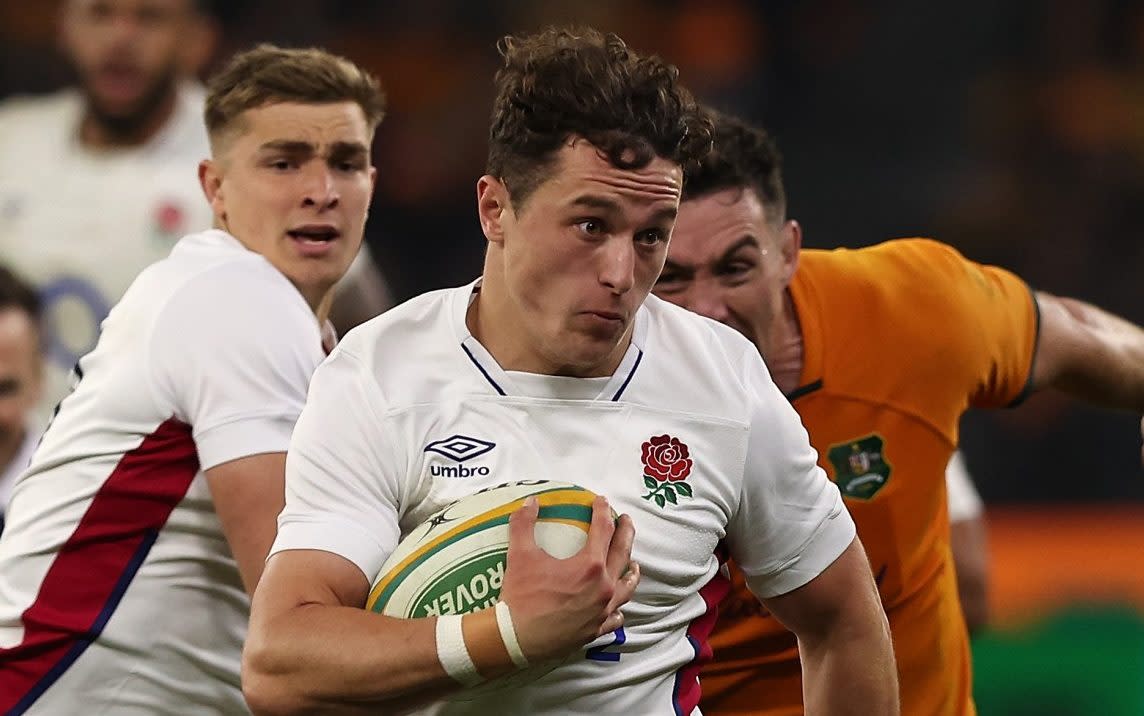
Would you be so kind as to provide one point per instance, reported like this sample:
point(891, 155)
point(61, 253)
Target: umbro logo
point(460, 448)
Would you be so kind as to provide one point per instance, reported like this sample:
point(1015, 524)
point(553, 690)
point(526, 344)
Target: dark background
point(1013, 130)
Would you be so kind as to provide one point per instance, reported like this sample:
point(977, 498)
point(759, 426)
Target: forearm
point(330, 659)
point(1090, 353)
point(851, 671)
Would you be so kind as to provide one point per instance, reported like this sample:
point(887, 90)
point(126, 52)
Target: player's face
point(579, 257)
point(293, 184)
point(729, 261)
point(127, 53)
point(20, 365)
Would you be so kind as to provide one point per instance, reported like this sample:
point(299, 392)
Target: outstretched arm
point(1089, 353)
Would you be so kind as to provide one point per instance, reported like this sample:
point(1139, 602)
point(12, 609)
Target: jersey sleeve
point(233, 351)
point(791, 523)
point(338, 497)
point(991, 315)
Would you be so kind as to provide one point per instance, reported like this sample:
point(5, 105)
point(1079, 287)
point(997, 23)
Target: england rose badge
point(666, 464)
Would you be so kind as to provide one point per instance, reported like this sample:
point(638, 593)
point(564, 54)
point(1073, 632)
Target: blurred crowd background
point(1011, 129)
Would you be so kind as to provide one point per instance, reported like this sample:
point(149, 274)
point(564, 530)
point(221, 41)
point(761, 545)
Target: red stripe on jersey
point(96, 564)
point(687, 689)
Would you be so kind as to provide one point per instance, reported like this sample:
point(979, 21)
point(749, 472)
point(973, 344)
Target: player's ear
point(210, 179)
point(791, 241)
point(492, 207)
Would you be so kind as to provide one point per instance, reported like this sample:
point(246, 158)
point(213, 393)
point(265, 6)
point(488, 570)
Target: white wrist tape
point(508, 636)
point(453, 654)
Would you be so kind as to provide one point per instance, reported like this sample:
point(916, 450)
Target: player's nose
point(618, 264)
point(319, 188)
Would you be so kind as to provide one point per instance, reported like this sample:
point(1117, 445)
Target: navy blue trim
point(804, 390)
point(629, 378)
point(96, 629)
point(1029, 387)
point(481, 368)
point(675, 705)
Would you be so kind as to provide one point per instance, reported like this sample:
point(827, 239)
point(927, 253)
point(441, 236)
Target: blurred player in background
point(969, 543)
point(554, 361)
point(21, 372)
point(146, 515)
point(880, 350)
point(98, 181)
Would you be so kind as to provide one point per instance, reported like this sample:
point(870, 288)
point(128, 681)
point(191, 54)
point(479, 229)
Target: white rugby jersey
point(119, 593)
point(81, 223)
point(964, 502)
point(410, 412)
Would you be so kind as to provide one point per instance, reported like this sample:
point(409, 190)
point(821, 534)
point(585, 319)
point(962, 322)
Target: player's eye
point(651, 237)
point(591, 227)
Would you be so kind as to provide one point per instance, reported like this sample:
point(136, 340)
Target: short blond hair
point(269, 74)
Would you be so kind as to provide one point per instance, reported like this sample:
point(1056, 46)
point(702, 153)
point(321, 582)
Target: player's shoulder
point(887, 283)
point(25, 118)
point(687, 349)
point(417, 332)
point(678, 327)
point(895, 260)
point(211, 273)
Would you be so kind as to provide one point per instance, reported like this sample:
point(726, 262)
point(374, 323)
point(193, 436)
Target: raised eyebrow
point(733, 248)
point(593, 201)
point(670, 265)
point(666, 214)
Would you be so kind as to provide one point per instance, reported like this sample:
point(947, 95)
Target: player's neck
point(785, 355)
point(95, 133)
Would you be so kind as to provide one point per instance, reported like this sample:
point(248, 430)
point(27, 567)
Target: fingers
point(620, 550)
point(602, 527)
point(625, 587)
point(614, 621)
point(522, 526)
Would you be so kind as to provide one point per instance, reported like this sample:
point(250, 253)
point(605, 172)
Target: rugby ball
point(453, 562)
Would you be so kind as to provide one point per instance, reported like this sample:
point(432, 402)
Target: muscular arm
point(1089, 353)
point(313, 649)
point(843, 639)
point(248, 495)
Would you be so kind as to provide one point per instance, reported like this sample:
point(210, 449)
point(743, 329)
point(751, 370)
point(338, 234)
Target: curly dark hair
point(743, 157)
point(563, 82)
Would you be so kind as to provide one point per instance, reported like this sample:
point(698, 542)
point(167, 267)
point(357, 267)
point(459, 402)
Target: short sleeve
point(988, 311)
point(964, 502)
point(791, 523)
point(341, 488)
point(233, 351)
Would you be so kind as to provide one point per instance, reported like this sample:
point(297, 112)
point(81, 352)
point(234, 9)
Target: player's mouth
point(603, 323)
point(119, 82)
point(314, 239)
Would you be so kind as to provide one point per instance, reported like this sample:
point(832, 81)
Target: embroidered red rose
point(666, 459)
